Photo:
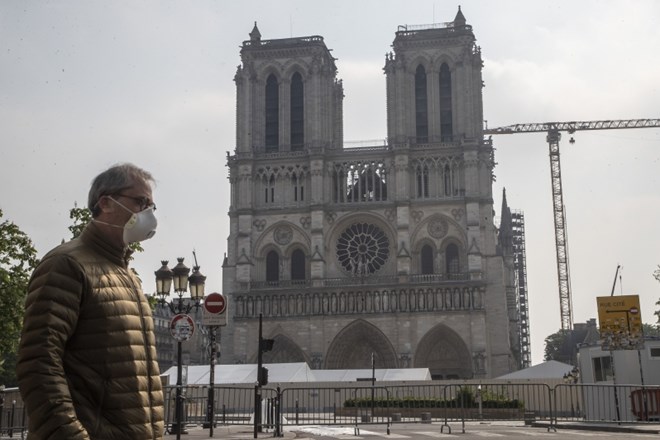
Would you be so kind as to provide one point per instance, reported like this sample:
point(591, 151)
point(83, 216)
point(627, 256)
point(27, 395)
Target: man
point(87, 365)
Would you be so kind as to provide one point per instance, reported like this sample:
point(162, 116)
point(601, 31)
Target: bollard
point(297, 411)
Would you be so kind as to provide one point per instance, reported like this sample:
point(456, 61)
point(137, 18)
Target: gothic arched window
point(422, 181)
point(446, 125)
point(272, 114)
point(269, 190)
point(448, 180)
point(297, 113)
point(421, 109)
point(272, 266)
point(451, 257)
point(298, 265)
point(426, 257)
point(298, 184)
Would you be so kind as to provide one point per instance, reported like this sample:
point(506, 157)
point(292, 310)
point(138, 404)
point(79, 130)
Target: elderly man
point(87, 365)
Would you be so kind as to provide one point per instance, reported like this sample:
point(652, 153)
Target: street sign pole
point(214, 315)
point(210, 408)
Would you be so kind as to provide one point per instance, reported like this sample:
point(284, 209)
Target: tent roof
point(545, 370)
point(291, 373)
point(385, 374)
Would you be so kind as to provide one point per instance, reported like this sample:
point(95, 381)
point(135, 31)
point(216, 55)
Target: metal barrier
point(358, 403)
point(607, 403)
point(13, 421)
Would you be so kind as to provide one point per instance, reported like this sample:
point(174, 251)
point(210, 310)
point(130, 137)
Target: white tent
point(241, 373)
point(386, 374)
point(289, 373)
point(545, 370)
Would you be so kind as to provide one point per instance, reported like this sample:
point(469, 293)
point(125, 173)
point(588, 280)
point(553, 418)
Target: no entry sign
point(214, 303)
point(214, 310)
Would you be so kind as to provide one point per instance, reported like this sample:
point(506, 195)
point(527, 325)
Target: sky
point(87, 84)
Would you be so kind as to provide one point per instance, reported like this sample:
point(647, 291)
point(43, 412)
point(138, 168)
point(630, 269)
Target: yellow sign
point(620, 322)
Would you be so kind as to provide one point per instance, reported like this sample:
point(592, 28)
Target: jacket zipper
point(147, 352)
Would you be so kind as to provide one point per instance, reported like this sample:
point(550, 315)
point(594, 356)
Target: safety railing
point(360, 403)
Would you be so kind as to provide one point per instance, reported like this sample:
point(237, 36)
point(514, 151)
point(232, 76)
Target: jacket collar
point(93, 237)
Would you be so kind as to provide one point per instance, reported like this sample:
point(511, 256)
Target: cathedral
point(386, 253)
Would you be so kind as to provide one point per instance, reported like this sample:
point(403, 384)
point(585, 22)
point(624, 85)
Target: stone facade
point(386, 251)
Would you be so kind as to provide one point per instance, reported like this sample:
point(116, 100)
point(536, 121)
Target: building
point(387, 253)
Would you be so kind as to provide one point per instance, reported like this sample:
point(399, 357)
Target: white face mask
point(139, 227)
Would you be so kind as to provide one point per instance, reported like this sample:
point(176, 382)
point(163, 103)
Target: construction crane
point(553, 130)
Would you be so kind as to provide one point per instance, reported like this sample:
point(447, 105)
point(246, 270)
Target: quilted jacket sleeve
point(51, 314)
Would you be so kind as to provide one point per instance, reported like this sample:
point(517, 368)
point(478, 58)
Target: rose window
point(362, 249)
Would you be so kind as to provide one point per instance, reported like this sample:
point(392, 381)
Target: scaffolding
point(520, 272)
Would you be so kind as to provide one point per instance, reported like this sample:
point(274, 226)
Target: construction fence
point(358, 403)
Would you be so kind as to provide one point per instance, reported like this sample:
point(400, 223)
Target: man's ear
point(106, 205)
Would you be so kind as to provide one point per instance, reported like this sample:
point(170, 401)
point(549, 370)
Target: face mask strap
point(121, 204)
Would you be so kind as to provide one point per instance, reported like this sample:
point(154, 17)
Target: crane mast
point(561, 241)
point(553, 130)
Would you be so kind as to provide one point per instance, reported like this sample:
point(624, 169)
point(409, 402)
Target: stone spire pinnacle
point(459, 20)
point(255, 35)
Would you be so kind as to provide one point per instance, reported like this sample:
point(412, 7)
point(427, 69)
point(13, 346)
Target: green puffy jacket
point(87, 365)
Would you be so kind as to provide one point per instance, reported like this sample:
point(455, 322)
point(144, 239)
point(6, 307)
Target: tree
point(651, 330)
point(80, 217)
point(18, 258)
point(555, 346)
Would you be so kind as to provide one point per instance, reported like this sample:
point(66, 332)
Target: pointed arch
point(446, 117)
point(272, 109)
point(452, 259)
point(284, 351)
point(297, 112)
point(298, 265)
point(444, 353)
point(426, 259)
point(421, 106)
point(354, 345)
point(272, 266)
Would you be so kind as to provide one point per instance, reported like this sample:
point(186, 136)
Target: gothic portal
point(387, 251)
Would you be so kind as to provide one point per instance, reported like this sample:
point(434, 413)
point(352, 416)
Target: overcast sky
point(86, 84)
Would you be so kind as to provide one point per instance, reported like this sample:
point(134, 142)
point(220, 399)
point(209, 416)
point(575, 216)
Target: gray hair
point(114, 180)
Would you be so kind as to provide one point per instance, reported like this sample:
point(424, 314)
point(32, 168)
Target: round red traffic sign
point(182, 327)
point(215, 303)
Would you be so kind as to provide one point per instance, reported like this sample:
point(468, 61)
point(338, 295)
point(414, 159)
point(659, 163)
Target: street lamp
point(572, 376)
point(178, 276)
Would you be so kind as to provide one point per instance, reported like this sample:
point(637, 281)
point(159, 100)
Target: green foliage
point(465, 398)
point(651, 330)
point(80, 217)
point(18, 258)
point(554, 345)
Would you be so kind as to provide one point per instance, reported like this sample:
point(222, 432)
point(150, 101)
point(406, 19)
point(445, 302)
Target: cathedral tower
point(385, 251)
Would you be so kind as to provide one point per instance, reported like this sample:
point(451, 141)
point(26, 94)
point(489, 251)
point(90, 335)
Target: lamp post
point(573, 376)
point(179, 276)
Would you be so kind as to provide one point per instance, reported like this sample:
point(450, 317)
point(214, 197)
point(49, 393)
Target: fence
point(358, 403)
